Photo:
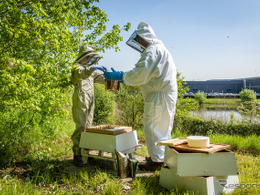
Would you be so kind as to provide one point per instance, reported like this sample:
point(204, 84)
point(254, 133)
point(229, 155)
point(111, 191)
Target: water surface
point(223, 115)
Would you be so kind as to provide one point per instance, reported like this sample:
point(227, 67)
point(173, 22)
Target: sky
point(208, 39)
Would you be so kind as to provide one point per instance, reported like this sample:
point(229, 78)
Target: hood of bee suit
point(144, 30)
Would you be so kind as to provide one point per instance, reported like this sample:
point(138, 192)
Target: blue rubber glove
point(114, 76)
point(102, 68)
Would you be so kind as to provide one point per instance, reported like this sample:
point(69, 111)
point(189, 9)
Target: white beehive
point(109, 143)
point(203, 185)
point(220, 163)
point(206, 173)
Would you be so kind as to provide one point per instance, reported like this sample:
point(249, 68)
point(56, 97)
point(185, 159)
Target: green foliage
point(104, 105)
point(10, 185)
point(197, 126)
point(248, 173)
point(149, 185)
point(24, 135)
point(38, 45)
point(184, 105)
point(200, 97)
point(249, 108)
point(247, 95)
point(248, 105)
point(130, 106)
point(249, 143)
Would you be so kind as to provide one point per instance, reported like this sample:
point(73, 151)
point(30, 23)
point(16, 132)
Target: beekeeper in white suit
point(155, 72)
point(83, 78)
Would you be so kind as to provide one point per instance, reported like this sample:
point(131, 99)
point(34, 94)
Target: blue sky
point(208, 39)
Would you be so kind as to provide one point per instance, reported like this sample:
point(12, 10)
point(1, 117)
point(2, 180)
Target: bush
point(183, 106)
point(248, 105)
point(197, 126)
point(247, 95)
point(200, 97)
point(130, 106)
point(104, 105)
point(23, 133)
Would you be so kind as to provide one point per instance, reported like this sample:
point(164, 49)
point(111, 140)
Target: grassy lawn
point(53, 173)
point(235, 101)
point(232, 101)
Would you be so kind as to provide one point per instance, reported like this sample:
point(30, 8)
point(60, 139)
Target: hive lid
point(108, 129)
point(211, 149)
point(172, 142)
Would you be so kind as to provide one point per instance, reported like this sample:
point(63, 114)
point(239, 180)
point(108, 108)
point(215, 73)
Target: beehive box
point(105, 142)
point(200, 185)
point(220, 163)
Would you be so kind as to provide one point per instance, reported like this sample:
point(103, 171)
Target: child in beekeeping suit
point(83, 77)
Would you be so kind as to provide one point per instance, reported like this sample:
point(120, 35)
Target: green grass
point(249, 173)
point(226, 101)
point(245, 144)
point(10, 185)
point(248, 144)
point(221, 103)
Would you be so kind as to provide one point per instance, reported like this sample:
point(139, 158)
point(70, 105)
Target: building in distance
point(224, 86)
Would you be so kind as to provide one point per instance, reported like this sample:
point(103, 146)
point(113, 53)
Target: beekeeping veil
point(87, 56)
point(142, 37)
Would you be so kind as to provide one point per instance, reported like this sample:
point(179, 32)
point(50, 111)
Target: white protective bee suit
point(155, 72)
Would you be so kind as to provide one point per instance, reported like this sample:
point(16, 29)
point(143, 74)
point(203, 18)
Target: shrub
point(197, 126)
point(183, 106)
point(248, 105)
point(104, 105)
point(22, 132)
point(247, 95)
point(130, 106)
point(200, 97)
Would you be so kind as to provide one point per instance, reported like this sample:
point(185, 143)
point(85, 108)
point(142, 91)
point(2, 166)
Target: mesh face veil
point(137, 42)
point(87, 56)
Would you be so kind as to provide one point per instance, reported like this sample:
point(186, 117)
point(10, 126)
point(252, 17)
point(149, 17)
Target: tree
point(248, 105)
point(247, 95)
point(200, 97)
point(38, 45)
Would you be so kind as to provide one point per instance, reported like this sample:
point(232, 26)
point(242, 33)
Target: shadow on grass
point(97, 173)
point(51, 171)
